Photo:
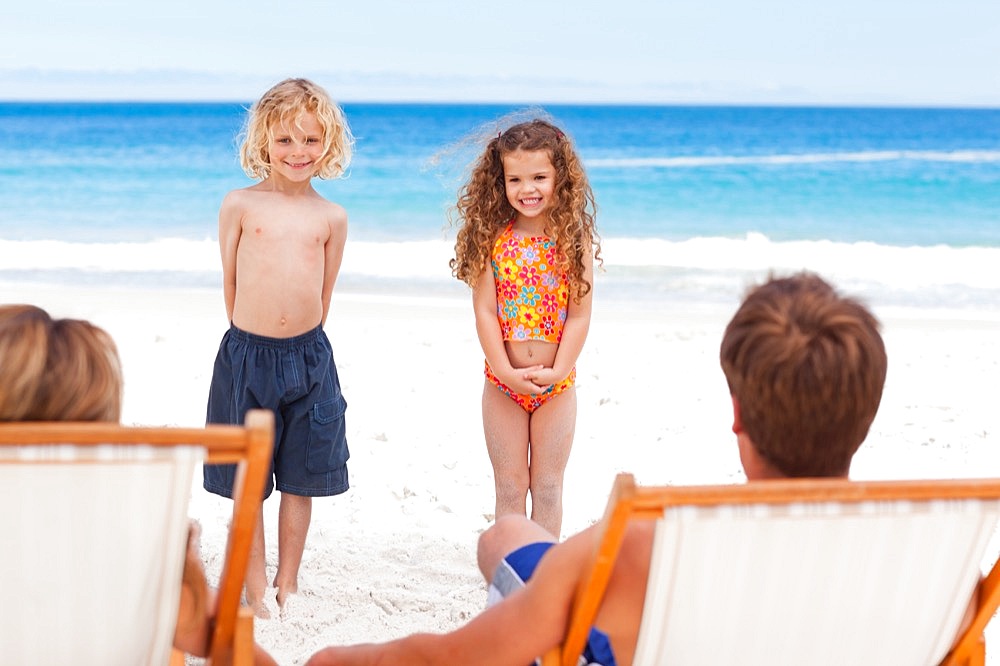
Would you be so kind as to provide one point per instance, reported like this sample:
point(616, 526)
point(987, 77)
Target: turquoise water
point(895, 201)
point(109, 172)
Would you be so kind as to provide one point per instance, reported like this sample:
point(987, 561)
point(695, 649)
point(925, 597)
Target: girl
point(526, 245)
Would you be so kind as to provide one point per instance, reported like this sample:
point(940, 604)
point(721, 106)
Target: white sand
point(396, 554)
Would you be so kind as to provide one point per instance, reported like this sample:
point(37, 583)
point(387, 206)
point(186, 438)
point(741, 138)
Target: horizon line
point(376, 101)
point(354, 87)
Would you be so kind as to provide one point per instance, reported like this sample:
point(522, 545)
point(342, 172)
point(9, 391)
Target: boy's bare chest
point(286, 227)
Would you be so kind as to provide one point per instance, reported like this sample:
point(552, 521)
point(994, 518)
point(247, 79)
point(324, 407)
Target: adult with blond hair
point(56, 369)
point(69, 370)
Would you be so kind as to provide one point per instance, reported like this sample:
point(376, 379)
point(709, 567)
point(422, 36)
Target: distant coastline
point(182, 85)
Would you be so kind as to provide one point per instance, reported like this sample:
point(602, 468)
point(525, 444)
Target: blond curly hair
point(285, 103)
point(483, 210)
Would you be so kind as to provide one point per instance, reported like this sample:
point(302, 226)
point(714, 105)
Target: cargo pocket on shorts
point(327, 436)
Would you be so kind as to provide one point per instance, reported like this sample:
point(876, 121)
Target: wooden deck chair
point(93, 534)
point(804, 571)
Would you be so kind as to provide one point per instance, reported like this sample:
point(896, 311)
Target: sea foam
point(970, 156)
point(707, 268)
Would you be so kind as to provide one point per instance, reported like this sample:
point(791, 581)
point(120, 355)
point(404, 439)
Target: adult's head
point(805, 368)
point(56, 369)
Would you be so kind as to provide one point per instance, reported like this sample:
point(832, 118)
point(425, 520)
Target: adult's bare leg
point(506, 535)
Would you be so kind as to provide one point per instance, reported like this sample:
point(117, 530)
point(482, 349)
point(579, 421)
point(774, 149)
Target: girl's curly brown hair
point(483, 210)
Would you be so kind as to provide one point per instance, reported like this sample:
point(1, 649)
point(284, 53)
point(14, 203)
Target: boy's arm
point(230, 229)
point(334, 255)
point(521, 627)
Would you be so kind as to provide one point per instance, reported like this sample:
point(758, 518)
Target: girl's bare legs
point(256, 580)
point(505, 425)
point(551, 431)
point(294, 514)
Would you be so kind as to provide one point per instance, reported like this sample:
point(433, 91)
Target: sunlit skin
point(282, 243)
point(295, 148)
point(529, 181)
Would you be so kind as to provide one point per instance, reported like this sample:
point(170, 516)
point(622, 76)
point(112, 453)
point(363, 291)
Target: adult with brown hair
point(805, 367)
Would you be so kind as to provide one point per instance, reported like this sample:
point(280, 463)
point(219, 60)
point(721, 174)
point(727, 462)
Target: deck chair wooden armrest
point(232, 639)
point(820, 499)
point(243, 642)
point(99, 487)
point(591, 588)
point(970, 648)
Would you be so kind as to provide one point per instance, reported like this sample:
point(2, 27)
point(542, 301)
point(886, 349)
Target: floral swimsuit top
point(532, 300)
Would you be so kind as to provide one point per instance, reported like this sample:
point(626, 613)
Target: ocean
point(899, 204)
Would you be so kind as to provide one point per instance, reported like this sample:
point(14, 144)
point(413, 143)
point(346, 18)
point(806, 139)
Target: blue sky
point(911, 52)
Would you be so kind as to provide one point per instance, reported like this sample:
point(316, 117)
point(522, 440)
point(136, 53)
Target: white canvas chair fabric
point(821, 584)
point(92, 543)
point(804, 571)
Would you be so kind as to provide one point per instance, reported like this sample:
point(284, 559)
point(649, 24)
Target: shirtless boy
point(282, 245)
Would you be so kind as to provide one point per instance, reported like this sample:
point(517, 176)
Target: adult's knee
point(506, 535)
point(496, 542)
